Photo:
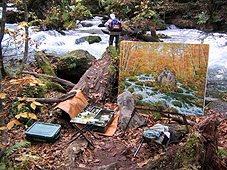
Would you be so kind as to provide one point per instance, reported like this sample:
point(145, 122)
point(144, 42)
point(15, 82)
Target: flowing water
point(149, 95)
point(53, 42)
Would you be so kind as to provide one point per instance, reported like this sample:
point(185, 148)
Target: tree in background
point(2, 75)
point(2, 70)
point(26, 37)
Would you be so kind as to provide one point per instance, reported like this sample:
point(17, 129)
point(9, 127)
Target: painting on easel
point(167, 77)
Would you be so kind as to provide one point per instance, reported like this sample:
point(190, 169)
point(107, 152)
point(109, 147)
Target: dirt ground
point(117, 150)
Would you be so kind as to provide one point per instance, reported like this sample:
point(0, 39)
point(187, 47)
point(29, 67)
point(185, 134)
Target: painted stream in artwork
point(152, 96)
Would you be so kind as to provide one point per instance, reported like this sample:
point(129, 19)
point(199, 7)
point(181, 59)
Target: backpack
point(115, 25)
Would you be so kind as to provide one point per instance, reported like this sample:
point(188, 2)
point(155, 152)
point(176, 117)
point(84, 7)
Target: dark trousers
point(116, 40)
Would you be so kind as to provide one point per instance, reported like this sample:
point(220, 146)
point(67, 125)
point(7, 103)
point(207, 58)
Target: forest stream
point(53, 42)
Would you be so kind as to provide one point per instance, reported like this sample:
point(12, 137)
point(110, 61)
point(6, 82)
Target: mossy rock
point(43, 63)
point(139, 83)
point(133, 78)
point(139, 96)
point(131, 90)
point(160, 106)
point(74, 65)
point(128, 84)
point(179, 90)
point(178, 104)
point(93, 39)
point(150, 83)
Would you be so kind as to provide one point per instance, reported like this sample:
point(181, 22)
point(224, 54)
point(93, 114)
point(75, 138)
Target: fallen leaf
point(20, 105)
point(33, 116)
point(12, 123)
point(21, 98)
point(33, 105)
point(3, 128)
point(24, 114)
point(37, 103)
point(3, 95)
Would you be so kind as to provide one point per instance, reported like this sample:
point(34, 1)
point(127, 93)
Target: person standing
point(115, 28)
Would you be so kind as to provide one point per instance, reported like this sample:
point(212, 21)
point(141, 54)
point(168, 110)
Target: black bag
point(115, 25)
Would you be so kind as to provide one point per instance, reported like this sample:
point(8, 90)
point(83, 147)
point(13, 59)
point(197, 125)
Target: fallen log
point(50, 100)
point(99, 83)
point(56, 79)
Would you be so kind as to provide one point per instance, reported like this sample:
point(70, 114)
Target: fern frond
point(15, 147)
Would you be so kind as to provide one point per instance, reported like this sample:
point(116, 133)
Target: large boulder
point(128, 118)
point(74, 65)
point(167, 78)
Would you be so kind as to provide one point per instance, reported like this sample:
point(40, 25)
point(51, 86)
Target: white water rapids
point(53, 42)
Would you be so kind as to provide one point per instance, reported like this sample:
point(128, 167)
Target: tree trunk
point(26, 37)
point(2, 74)
point(2, 31)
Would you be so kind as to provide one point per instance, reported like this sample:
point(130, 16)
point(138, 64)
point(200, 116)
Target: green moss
point(157, 116)
point(128, 84)
point(178, 104)
point(139, 96)
point(93, 39)
point(55, 87)
point(179, 90)
point(191, 150)
point(32, 91)
point(133, 78)
point(159, 106)
point(131, 90)
point(139, 83)
point(44, 65)
point(150, 83)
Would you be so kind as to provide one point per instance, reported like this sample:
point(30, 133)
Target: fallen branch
point(59, 80)
point(174, 116)
point(51, 100)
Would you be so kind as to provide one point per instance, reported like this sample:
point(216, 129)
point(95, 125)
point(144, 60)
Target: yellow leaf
point(30, 100)
point(12, 123)
point(20, 105)
point(32, 84)
point(33, 106)
point(3, 128)
point(18, 81)
point(33, 116)
point(3, 95)
point(37, 103)
point(21, 98)
point(25, 115)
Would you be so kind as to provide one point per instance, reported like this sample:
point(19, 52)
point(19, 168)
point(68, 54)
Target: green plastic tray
point(43, 132)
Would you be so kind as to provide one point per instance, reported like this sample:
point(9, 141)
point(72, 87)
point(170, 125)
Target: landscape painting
point(165, 77)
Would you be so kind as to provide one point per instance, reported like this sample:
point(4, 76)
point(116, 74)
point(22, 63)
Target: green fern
point(15, 147)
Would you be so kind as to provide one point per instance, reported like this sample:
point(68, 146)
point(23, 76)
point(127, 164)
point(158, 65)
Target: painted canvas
point(165, 77)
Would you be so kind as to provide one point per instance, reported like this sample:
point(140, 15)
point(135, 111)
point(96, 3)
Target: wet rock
point(90, 39)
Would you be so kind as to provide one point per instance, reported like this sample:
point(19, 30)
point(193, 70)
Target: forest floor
point(117, 150)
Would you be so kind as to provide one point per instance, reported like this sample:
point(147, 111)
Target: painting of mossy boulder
point(167, 77)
